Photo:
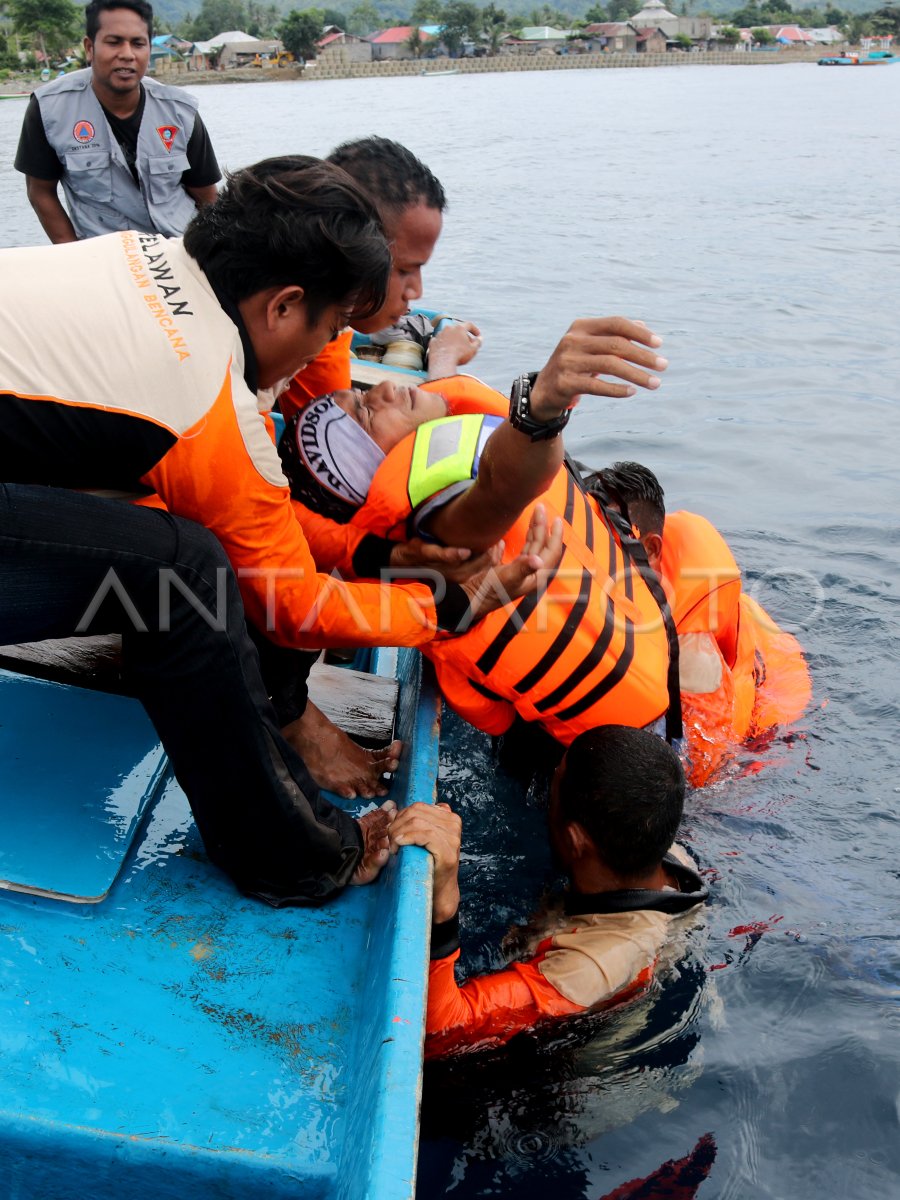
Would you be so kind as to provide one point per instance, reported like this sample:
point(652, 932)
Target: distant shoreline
point(332, 68)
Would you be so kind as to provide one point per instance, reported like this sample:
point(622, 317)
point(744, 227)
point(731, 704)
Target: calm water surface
point(748, 216)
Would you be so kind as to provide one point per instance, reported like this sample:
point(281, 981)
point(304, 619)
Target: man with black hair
point(615, 807)
point(131, 153)
point(158, 392)
point(739, 673)
point(411, 202)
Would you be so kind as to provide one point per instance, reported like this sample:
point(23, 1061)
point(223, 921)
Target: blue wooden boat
point(367, 370)
point(163, 1036)
point(874, 58)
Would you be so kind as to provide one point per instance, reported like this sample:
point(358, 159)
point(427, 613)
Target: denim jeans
point(76, 564)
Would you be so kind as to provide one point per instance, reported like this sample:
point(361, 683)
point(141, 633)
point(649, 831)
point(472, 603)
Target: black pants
point(70, 564)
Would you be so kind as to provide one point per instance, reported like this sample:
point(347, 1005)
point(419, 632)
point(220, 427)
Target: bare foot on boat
point(336, 762)
point(375, 828)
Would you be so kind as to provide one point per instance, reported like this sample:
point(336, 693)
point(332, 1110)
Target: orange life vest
point(587, 649)
point(758, 677)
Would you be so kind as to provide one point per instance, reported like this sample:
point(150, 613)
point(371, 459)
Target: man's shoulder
point(75, 81)
point(165, 91)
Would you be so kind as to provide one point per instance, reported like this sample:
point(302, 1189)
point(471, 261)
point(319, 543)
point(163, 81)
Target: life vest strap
point(633, 548)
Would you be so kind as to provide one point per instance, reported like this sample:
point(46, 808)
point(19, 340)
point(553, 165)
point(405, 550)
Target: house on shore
point(395, 43)
point(336, 45)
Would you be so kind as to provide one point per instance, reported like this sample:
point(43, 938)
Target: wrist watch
point(520, 412)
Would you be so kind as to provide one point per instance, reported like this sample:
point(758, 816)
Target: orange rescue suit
point(740, 673)
point(588, 648)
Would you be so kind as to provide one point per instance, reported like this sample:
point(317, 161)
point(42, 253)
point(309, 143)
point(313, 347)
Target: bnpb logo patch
point(168, 134)
point(83, 131)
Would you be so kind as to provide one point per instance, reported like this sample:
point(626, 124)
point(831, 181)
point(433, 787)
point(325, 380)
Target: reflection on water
point(745, 214)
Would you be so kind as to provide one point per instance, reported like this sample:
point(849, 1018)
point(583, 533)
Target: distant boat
point(14, 95)
point(451, 71)
point(876, 58)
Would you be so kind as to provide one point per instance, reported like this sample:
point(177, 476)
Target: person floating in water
point(740, 674)
point(615, 807)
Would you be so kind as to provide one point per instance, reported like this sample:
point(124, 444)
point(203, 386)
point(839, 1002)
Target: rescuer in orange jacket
point(740, 674)
point(590, 648)
point(411, 202)
point(133, 364)
point(615, 806)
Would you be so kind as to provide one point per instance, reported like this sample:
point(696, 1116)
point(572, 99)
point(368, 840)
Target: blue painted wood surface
point(177, 1038)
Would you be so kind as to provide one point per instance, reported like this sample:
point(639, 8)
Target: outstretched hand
point(439, 830)
point(499, 585)
point(594, 347)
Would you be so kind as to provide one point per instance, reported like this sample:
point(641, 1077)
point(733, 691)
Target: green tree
point(683, 41)
point(834, 16)
point(762, 37)
point(619, 10)
point(414, 42)
point(728, 33)
point(262, 19)
point(215, 17)
point(596, 15)
point(494, 22)
point(886, 20)
point(364, 18)
point(747, 16)
point(299, 31)
point(461, 21)
point(50, 25)
point(426, 12)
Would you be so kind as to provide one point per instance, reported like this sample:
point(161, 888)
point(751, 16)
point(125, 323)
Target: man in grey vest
point(129, 154)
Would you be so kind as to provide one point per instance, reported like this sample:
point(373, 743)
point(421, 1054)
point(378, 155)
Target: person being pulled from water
point(740, 674)
point(589, 646)
point(158, 393)
point(615, 805)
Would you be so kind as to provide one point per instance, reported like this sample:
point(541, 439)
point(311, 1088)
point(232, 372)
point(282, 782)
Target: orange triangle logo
point(167, 134)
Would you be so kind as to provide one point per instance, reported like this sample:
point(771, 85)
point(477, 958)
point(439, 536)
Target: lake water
point(748, 216)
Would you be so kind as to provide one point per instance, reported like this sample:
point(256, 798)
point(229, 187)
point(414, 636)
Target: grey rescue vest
point(99, 187)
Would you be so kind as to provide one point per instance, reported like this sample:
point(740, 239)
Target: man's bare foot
point(335, 761)
point(375, 828)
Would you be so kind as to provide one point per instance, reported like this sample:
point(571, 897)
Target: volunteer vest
point(587, 648)
point(100, 190)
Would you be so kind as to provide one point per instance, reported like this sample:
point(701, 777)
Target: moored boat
point(874, 59)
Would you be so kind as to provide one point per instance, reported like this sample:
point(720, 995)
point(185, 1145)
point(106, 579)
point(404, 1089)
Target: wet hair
point(293, 220)
point(637, 493)
point(93, 10)
point(391, 174)
point(625, 787)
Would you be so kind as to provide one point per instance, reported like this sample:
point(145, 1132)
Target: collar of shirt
point(692, 890)
point(230, 308)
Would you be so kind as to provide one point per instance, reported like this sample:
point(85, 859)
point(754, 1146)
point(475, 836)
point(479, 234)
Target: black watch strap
point(520, 412)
